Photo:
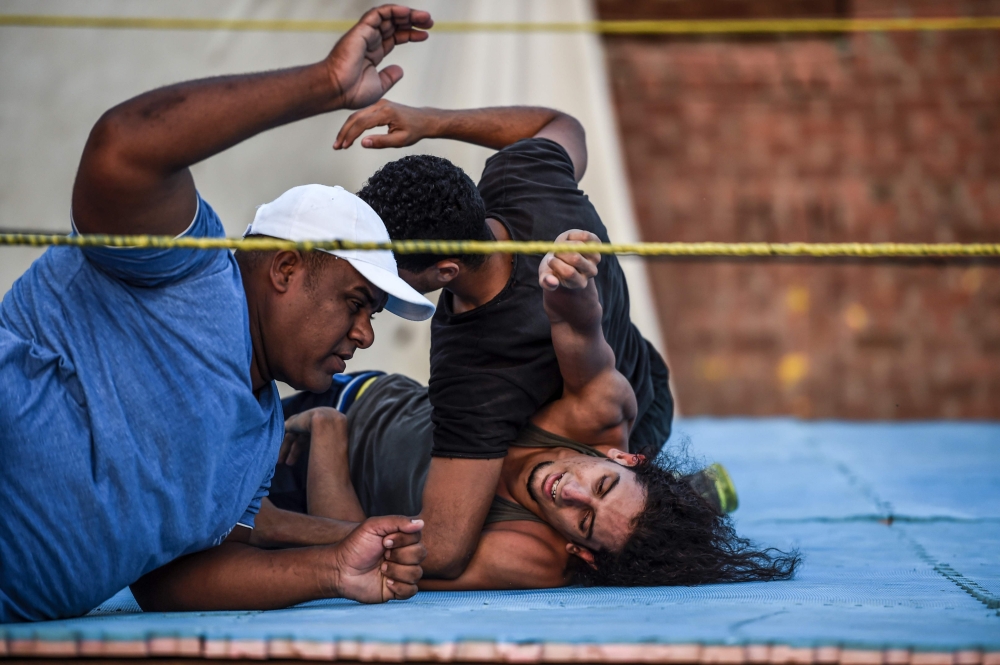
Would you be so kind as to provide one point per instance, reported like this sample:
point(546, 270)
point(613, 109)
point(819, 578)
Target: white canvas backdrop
point(56, 82)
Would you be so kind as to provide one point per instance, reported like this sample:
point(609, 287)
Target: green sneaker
point(716, 487)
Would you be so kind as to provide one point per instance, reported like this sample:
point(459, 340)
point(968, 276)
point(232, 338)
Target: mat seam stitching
point(944, 570)
point(958, 579)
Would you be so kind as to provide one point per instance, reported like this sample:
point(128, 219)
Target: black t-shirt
point(493, 367)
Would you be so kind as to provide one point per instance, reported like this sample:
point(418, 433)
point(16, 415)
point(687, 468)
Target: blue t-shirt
point(129, 431)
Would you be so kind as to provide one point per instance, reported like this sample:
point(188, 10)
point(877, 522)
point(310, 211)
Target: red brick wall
point(866, 137)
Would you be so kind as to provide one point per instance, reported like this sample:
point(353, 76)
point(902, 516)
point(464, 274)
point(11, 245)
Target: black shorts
point(288, 486)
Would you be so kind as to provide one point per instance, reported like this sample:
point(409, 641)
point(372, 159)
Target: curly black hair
point(427, 197)
point(680, 540)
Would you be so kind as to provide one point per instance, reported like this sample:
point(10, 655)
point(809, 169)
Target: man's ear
point(284, 265)
point(445, 271)
point(583, 553)
point(624, 458)
point(434, 277)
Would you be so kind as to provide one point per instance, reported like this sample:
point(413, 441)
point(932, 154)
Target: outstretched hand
point(380, 560)
point(406, 124)
point(353, 63)
point(570, 270)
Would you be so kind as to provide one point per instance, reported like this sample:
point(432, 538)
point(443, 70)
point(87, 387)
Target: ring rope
point(654, 27)
point(457, 247)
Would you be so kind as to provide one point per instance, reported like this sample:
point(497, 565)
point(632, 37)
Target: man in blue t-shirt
point(139, 418)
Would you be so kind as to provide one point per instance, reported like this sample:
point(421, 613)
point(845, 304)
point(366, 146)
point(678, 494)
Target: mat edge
point(484, 651)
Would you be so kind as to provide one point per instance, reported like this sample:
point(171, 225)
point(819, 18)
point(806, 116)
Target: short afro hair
point(680, 540)
point(422, 197)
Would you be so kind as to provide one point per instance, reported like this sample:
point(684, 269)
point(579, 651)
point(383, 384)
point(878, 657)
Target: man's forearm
point(134, 177)
point(494, 128)
point(283, 528)
point(499, 127)
point(234, 576)
point(166, 130)
point(456, 500)
point(197, 119)
point(329, 489)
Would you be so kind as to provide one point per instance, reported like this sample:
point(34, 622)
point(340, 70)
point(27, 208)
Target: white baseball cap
point(318, 212)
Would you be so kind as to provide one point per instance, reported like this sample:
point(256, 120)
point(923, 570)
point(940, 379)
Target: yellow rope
point(670, 27)
point(454, 247)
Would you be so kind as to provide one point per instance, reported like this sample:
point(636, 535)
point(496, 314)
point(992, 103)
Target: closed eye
point(600, 485)
point(609, 486)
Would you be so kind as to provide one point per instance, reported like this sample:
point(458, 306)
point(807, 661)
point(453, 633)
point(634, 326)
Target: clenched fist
point(380, 560)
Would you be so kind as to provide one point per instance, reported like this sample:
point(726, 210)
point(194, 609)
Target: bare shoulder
point(512, 555)
point(541, 538)
point(539, 551)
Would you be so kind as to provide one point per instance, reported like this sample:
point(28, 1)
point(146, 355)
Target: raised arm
point(133, 175)
point(598, 404)
point(495, 128)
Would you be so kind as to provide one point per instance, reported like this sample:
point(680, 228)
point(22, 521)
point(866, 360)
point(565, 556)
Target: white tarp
point(55, 83)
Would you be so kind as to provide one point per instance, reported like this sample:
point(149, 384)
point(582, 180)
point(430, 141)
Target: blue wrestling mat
point(899, 526)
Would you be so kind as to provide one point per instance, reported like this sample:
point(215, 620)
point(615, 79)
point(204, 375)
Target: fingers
point(399, 590)
point(581, 263)
point(294, 452)
point(401, 573)
point(577, 235)
point(410, 555)
point(390, 140)
point(390, 76)
point(388, 524)
point(286, 446)
point(398, 539)
point(401, 579)
point(397, 17)
point(378, 115)
point(404, 21)
point(574, 236)
point(548, 281)
point(398, 25)
point(571, 271)
point(291, 448)
point(358, 122)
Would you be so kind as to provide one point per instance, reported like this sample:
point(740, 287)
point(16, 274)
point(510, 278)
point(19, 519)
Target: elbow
point(568, 132)
point(107, 169)
point(446, 565)
point(446, 570)
point(106, 143)
point(104, 157)
point(112, 153)
point(579, 154)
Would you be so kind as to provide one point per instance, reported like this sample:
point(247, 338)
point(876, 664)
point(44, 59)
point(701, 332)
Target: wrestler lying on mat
point(570, 506)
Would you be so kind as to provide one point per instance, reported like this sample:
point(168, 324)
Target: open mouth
point(551, 485)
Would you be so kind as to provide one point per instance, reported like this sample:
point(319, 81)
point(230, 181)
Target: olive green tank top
point(532, 436)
